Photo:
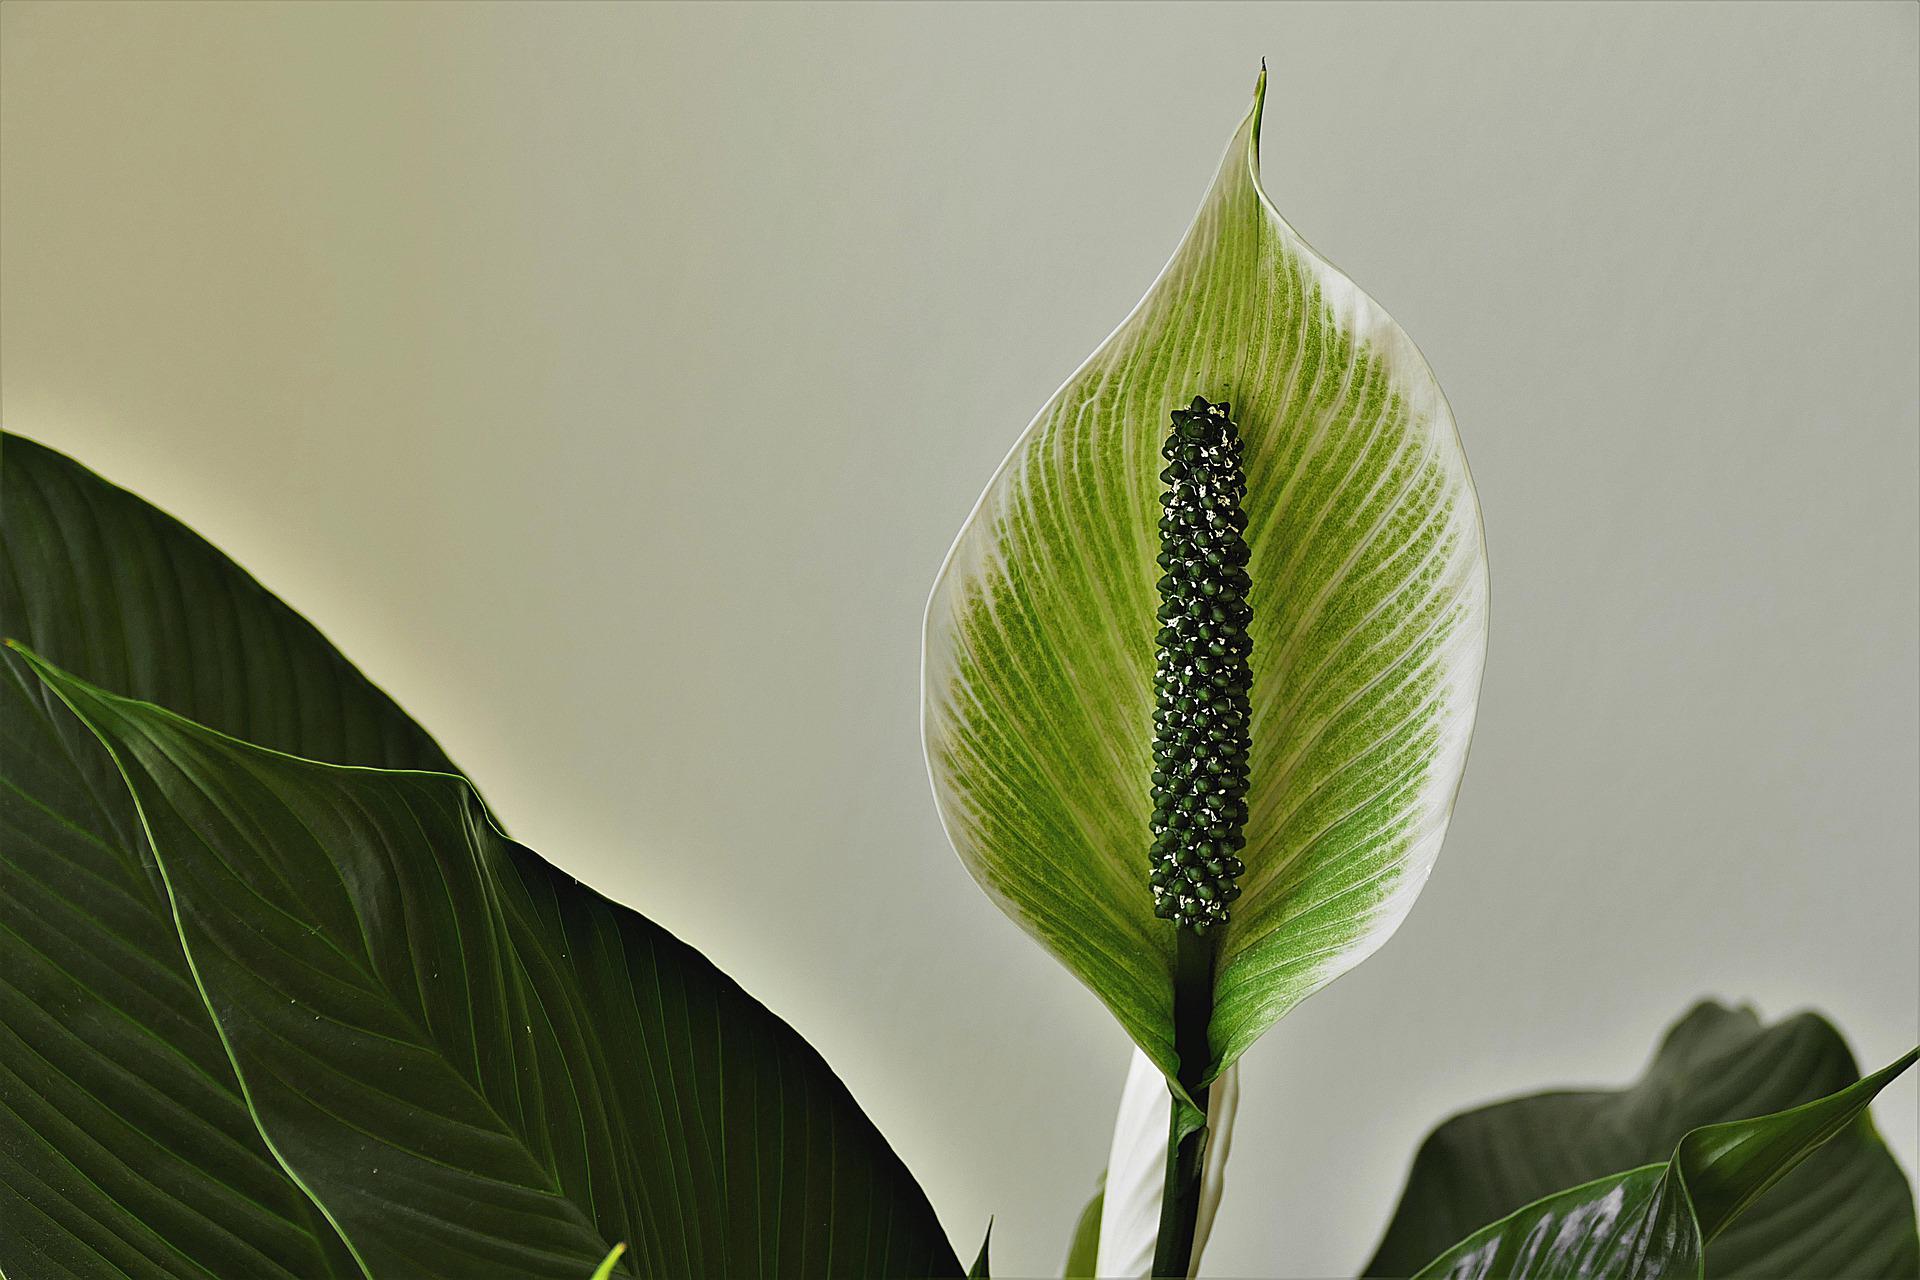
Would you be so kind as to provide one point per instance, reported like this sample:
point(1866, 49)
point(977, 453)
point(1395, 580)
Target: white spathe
point(1137, 1169)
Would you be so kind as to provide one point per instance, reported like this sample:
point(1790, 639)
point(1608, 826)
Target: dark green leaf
point(1847, 1211)
point(478, 1066)
point(125, 1148)
point(1653, 1223)
point(982, 1266)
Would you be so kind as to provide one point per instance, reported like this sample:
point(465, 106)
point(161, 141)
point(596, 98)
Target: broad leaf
point(476, 1065)
point(125, 1147)
point(1655, 1222)
point(1369, 600)
point(1848, 1211)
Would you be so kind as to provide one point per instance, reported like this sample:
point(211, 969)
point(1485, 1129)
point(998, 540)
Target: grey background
point(610, 382)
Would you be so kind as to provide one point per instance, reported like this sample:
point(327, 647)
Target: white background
point(610, 382)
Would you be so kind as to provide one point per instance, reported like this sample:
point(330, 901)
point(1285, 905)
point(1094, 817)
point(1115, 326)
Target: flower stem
point(1187, 1125)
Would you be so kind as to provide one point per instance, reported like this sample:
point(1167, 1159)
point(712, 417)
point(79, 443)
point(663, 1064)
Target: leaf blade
point(125, 1142)
point(1846, 1211)
point(1728, 1166)
point(431, 1022)
point(1648, 1223)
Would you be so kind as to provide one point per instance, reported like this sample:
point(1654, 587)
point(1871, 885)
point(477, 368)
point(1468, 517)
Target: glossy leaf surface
point(1847, 1211)
point(125, 1147)
point(1369, 600)
point(476, 1065)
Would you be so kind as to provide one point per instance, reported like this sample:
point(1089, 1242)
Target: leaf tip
point(61, 681)
point(39, 665)
point(1259, 107)
point(605, 1269)
point(981, 1266)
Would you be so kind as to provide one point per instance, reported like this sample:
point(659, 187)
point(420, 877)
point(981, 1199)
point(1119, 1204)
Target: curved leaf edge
point(250, 582)
point(1845, 1106)
point(1695, 1160)
point(1713, 1064)
point(1356, 301)
point(62, 682)
point(55, 678)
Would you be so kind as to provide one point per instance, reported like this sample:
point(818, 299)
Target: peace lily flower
point(1064, 693)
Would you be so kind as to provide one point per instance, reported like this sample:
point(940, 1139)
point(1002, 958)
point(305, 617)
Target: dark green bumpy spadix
point(1201, 678)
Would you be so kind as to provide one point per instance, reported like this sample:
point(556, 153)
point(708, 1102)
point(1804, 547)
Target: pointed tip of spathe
point(1259, 109)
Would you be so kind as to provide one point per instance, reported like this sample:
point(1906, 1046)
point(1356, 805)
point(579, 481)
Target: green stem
point(1187, 1128)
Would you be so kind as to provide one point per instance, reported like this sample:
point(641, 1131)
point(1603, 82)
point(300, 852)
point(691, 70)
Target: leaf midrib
point(427, 1044)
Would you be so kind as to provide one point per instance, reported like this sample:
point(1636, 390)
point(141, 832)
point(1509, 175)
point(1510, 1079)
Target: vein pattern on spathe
point(1369, 600)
